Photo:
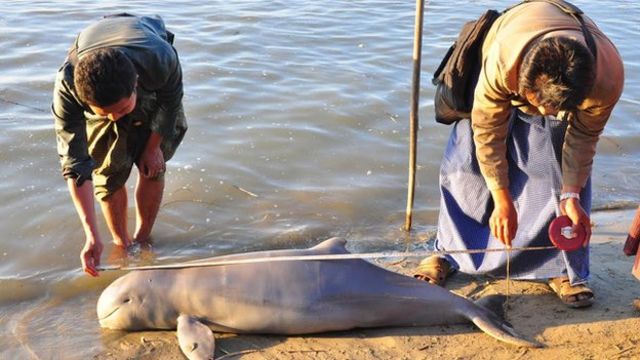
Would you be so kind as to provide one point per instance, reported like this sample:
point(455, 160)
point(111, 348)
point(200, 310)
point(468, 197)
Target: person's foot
point(576, 296)
point(121, 243)
point(145, 243)
point(118, 256)
point(434, 269)
point(142, 251)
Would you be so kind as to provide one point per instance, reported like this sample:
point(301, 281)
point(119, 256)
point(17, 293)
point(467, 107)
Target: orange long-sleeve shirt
point(503, 50)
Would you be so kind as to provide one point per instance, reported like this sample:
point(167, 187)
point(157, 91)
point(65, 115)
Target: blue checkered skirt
point(534, 151)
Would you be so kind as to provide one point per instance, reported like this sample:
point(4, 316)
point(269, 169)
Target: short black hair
point(559, 70)
point(104, 76)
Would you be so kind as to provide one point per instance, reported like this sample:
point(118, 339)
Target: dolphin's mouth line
point(111, 313)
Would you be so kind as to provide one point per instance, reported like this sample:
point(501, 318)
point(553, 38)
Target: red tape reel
point(560, 228)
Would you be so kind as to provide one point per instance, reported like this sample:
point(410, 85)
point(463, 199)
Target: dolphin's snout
point(103, 317)
point(111, 300)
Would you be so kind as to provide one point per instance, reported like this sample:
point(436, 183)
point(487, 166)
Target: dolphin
point(285, 297)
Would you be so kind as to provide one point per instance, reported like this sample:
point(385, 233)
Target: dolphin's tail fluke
point(497, 327)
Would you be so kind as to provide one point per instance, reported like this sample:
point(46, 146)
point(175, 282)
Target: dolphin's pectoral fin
point(195, 338)
point(494, 326)
point(494, 303)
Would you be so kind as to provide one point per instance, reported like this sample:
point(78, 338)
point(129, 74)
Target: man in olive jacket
point(117, 102)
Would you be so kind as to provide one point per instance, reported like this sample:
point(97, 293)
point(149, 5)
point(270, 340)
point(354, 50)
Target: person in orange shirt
point(546, 89)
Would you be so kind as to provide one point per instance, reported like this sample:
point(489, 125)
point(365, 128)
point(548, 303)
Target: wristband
point(569, 195)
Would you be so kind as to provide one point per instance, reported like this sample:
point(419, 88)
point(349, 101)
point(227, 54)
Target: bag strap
point(574, 12)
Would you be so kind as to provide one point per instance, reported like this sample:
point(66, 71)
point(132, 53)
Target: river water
point(298, 115)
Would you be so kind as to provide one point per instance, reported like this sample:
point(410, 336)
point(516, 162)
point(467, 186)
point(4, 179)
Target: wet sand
point(607, 330)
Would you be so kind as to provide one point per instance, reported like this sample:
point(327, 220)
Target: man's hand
point(82, 197)
point(504, 219)
point(573, 209)
point(152, 160)
point(90, 256)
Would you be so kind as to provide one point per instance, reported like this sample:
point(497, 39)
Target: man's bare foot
point(121, 243)
point(142, 251)
point(118, 256)
point(145, 244)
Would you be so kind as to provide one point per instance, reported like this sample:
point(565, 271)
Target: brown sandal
point(434, 269)
point(577, 296)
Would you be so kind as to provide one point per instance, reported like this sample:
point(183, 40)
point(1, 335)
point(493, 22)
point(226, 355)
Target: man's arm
point(77, 165)
point(586, 126)
point(163, 125)
point(578, 152)
point(82, 197)
point(592, 115)
point(490, 123)
point(580, 143)
point(70, 128)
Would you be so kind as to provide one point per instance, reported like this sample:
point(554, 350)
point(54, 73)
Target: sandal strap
point(563, 287)
point(434, 269)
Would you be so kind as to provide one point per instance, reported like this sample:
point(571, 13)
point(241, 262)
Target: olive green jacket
point(149, 46)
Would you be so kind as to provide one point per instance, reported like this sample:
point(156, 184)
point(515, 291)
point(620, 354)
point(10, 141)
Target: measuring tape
point(562, 235)
point(378, 255)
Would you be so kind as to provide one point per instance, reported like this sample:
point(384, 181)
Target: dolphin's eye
point(126, 300)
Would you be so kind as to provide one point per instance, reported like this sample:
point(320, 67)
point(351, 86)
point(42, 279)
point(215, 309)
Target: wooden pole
point(413, 114)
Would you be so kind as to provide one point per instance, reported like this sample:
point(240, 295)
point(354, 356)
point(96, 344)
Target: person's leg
point(571, 287)
point(465, 202)
point(460, 224)
point(148, 199)
point(149, 191)
point(114, 209)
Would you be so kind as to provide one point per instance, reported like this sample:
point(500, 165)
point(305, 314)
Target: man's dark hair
point(559, 70)
point(103, 77)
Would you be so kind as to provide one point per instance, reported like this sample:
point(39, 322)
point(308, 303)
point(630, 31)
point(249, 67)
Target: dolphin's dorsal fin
point(195, 338)
point(335, 245)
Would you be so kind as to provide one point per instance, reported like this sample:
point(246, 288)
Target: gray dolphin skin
point(285, 297)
